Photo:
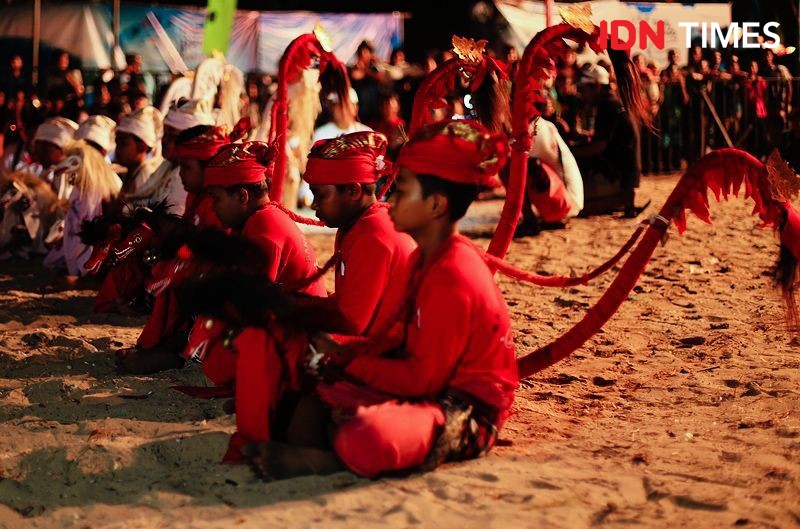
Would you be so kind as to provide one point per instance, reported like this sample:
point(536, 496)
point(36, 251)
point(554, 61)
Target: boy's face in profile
point(191, 172)
point(230, 205)
point(409, 209)
point(330, 205)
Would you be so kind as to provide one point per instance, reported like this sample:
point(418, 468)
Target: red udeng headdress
point(204, 146)
point(356, 158)
point(240, 164)
point(461, 151)
point(299, 55)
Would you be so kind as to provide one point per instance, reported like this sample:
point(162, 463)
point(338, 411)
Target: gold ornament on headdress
point(323, 38)
point(468, 50)
point(579, 16)
point(347, 142)
point(214, 133)
point(783, 180)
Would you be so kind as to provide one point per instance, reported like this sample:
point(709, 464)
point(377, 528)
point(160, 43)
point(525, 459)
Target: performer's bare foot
point(147, 361)
point(273, 461)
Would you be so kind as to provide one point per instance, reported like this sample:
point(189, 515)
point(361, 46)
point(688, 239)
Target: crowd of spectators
point(715, 98)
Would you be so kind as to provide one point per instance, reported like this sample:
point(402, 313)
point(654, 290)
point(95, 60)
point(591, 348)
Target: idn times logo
point(626, 35)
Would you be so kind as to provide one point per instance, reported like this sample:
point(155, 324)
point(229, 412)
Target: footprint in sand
point(543, 485)
point(690, 503)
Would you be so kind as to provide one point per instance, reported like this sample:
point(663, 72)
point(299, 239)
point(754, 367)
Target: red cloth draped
point(790, 236)
point(553, 205)
point(355, 158)
point(240, 164)
point(164, 321)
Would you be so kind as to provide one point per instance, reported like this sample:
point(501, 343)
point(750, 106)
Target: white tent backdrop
point(526, 18)
point(82, 30)
point(257, 40)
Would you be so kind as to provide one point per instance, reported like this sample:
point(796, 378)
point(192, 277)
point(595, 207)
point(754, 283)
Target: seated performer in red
point(442, 387)
point(122, 287)
point(370, 257)
point(343, 174)
point(194, 148)
point(238, 180)
point(165, 333)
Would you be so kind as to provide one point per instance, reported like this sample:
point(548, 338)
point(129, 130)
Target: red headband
point(204, 146)
point(209, 143)
point(240, 163)
point(461, 151)
point(355, 158)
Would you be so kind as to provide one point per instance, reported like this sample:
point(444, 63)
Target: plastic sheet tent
point(257, 39)
point(82, 30)
point(526, 18)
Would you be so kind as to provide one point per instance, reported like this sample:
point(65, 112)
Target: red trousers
point(378, 434)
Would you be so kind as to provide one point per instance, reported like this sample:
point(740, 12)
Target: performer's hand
point(332, 352)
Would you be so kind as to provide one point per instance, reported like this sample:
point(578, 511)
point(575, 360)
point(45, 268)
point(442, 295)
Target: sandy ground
point(683, 412)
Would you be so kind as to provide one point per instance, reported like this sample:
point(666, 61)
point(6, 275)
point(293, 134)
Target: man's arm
point(443, 334)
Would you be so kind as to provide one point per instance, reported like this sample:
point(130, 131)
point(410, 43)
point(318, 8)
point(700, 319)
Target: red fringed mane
point(534, 69)
point(442, 82)
point(724, 172)
point(299, 55)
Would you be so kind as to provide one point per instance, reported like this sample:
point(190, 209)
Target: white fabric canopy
point(168, 36)
point(526, 18)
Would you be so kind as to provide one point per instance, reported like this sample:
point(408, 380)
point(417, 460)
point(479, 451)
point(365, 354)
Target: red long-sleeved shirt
point(291, 258)
point(458, 335)
point(373, 257)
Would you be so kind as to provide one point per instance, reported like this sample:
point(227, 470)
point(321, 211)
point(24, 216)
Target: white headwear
point(58, 131)
point(595, 74)
point(147, 124)
point(190, 114)
point(97, 129)
point(333, 97)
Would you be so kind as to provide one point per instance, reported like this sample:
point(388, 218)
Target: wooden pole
point(548, 12)
point(717, 119)
point(37, 20)
point(116, 23)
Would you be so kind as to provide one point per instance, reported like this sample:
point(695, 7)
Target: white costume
point(164, 184)
point(147, 125)
point(94, 183)
point(72, 254)
point(551, 149)
point(60, 132)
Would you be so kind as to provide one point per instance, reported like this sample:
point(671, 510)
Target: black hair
point(96, 146)
point(191, 133)
point(459, 196)
point(257, 190)
point(368, 189)
point(365, 45)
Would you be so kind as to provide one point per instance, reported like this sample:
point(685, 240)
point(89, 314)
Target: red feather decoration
point(534, 69)
point(297, 57)
point(724, 172)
